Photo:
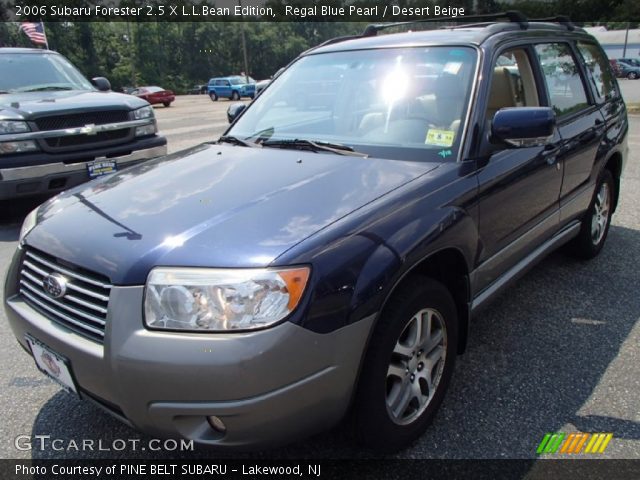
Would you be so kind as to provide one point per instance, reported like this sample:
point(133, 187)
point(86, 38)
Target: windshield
point(405, 104)
point(23, 72)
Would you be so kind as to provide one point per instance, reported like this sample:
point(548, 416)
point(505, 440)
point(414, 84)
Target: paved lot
point(192, 119)
point(559, 351)
point(630, 90)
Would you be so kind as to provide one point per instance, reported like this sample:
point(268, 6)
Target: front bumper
point(42, 172)
point(269, 387)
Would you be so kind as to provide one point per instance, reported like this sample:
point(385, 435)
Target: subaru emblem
point(55, 285)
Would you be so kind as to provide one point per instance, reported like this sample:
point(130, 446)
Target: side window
point(601, 77)
point(562, 76)
point(512, 82)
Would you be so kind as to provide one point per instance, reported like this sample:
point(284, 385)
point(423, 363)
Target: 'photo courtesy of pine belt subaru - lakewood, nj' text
point(324, 257)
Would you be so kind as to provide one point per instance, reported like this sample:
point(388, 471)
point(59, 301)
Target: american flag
point(35, 31)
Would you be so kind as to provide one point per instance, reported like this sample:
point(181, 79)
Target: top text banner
point(228, 10)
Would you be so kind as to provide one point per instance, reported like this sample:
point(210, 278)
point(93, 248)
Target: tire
point(632, 75)
point(167, 104)
point(235, 96)
point(394, 404)
point(213, 96)
point(596, 221)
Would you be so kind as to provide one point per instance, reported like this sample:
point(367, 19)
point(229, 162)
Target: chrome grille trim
point(84, 306)
point(34, 289)
point(65, 317)
point(60, 269)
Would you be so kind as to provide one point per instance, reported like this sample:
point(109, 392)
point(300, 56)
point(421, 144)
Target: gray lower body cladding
point(268, 387)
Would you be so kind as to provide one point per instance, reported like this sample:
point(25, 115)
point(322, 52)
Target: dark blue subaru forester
point(327, 253)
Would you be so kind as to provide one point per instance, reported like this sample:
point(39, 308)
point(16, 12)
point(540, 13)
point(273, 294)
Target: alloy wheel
point(416, 366)
point(600, 217)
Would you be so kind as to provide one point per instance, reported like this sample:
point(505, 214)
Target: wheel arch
point(614, 165)
point(449, 267)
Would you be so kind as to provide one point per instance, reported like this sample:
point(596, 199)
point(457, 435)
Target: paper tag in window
point(439, 138)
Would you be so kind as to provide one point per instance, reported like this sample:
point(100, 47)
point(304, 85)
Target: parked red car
point(155, 95)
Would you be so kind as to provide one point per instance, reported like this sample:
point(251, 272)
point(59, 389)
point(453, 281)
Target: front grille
point(75, 140)
point(83, 308)
point(83, 141)
point(60, 122)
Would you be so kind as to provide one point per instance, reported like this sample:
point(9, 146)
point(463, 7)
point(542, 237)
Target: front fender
point(359, 261)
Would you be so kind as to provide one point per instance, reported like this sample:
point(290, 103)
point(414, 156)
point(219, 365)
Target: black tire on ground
point(213, 96)
point(235, 96)
point(593, 234)
point(381, 419)
point(632, 75)
point(167, 104)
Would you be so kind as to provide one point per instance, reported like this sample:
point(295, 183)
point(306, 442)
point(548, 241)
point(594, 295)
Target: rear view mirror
point(234, 111)
point(523, 126)
point(101, 84)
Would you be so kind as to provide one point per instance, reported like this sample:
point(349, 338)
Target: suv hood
point(212, 205)
point(18, 106)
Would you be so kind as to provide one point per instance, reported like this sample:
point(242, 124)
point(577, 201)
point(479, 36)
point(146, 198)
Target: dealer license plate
point(52, 364)
point(101, 167)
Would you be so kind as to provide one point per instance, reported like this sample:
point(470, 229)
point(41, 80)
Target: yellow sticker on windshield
point(439, 138)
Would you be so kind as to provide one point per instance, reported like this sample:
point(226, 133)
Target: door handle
point(550, 153)
point(587, 136)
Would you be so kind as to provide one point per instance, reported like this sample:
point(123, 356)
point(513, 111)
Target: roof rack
point(510, 15)
point(563, 20)
point(485, 20)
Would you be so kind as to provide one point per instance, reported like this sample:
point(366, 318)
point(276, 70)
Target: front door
point(519, 187)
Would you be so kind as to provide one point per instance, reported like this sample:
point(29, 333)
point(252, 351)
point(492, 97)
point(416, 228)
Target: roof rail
point(511, 16)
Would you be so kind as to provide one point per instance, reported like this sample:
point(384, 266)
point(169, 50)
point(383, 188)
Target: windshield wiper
point(261, 135)
point(314, 146)
point(47, 89)
point(236, 141)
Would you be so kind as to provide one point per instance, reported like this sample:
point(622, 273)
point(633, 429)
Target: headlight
point(144, 112)
point(221, 300)
point(28, 224)
point(18, 147)
point(11, 126)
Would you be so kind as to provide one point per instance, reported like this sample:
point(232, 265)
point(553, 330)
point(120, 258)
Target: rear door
point(580, 122)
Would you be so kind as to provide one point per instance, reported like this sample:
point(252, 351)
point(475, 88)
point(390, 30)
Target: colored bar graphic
point(592, 441)
point(581, 442)
point(554, 443)
point(606, 441)
point(543, 443)
point(571, 438)
point(574, 442)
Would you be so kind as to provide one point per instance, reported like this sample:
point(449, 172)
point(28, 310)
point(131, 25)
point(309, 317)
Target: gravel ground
point(559, 351)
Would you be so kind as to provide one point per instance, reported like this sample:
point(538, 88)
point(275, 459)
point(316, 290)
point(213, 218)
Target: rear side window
point(601, 77)
point(562, 76)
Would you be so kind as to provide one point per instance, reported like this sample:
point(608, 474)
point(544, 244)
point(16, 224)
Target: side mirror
point(234, 111)
point(523, 126)
point(101, 84)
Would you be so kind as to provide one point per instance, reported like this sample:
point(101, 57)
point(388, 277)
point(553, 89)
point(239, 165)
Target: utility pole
point(244, 48)
point(132, 54)
point(626, 40)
